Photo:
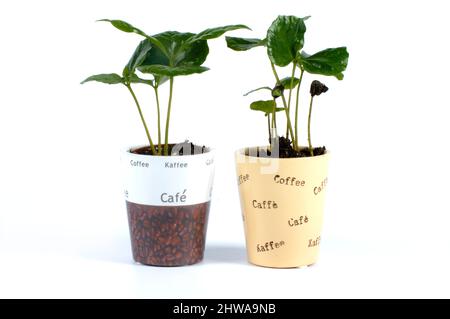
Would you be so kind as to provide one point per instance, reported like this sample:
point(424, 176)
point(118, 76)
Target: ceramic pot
point(282, 201)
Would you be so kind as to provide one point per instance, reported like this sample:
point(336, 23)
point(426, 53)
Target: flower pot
point(282, 202)
point(168, 200)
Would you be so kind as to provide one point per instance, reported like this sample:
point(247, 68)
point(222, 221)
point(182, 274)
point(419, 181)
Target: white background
point(63, 226)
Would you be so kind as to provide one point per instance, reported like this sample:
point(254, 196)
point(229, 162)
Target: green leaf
point(213, 33)
point(111, 78)
point(286, 83)
point(179, 51)
point(135, 79)
point(285, 37)
point(155, 56)
point(123, 26)
point(127, 27)
point(265, 106)
point(329, 62)
point(258, 89)
point(164, 70)
point(181, 54)
point(138, 57)
point(244, 44)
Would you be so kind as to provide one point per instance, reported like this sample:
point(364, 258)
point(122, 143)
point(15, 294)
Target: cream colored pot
point(282, 201)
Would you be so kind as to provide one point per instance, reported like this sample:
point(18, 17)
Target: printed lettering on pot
point(168, 180)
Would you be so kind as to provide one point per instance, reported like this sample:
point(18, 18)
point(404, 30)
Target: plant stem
point(290, 94)
point(274, 115)
point(274, 127)
point(159, 120)
point(309, 127)
point(296, 108)
point(166, 143)
point(268, 126)
point(284, 103)
point(275, 73)
point(142, 118)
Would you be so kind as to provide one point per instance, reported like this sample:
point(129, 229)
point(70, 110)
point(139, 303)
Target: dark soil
point(287, 151)
point(185, 148)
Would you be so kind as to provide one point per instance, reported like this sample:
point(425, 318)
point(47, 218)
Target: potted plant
point(167, 185)
point(282, 186)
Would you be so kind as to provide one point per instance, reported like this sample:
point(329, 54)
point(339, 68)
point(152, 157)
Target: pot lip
point(127, 150)
point(240, 153)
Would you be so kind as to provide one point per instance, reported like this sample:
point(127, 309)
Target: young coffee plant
point(284, 43)
point(164, 56)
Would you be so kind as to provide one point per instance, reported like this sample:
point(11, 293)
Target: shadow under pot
point(168, 201)
point(282, 201)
